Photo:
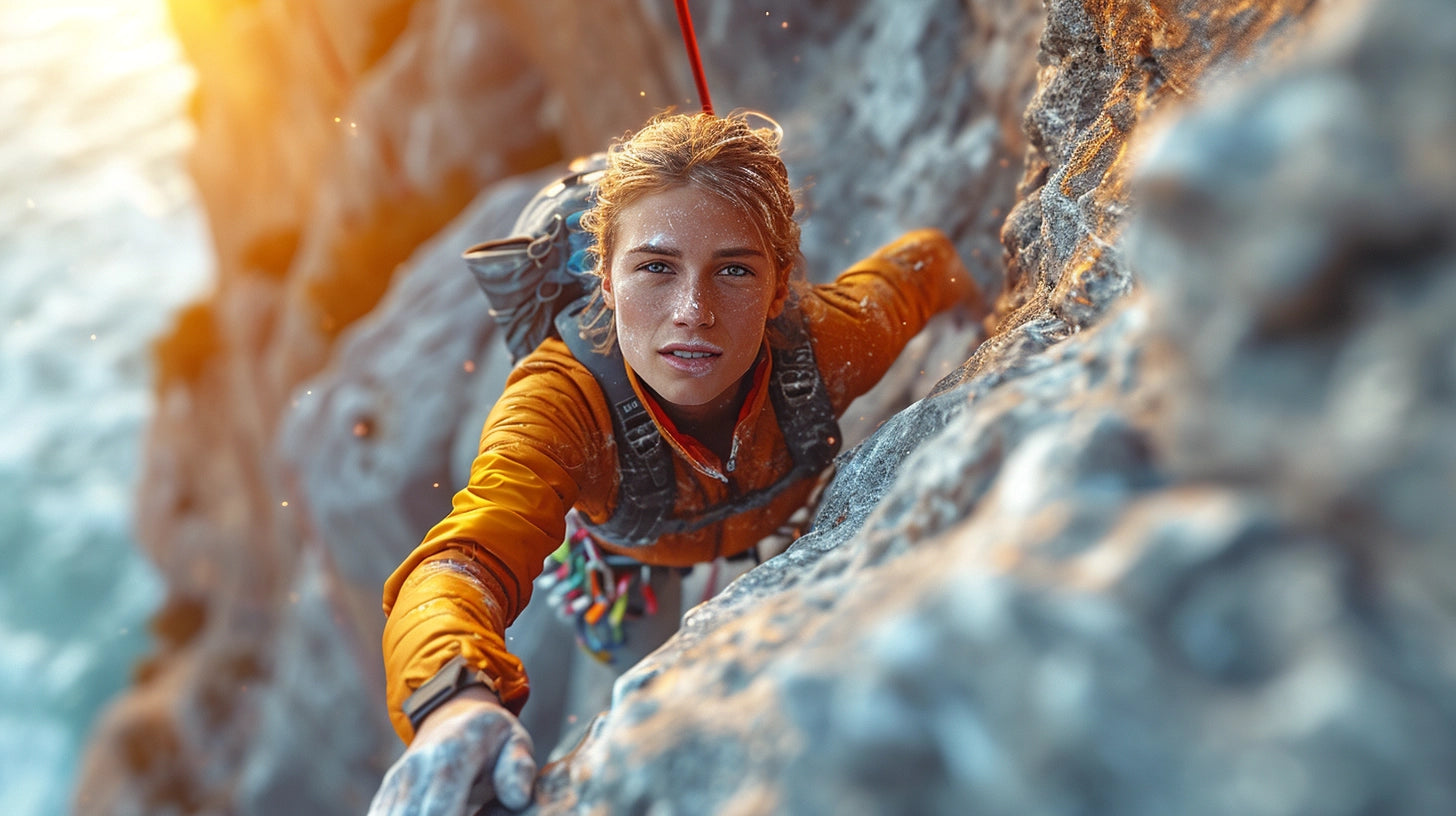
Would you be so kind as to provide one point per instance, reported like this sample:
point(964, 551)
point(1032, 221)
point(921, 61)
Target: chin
point(678, 393)
point(683, 398)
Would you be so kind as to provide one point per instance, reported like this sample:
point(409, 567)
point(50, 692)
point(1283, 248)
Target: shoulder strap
point(648, 488)
point(800, 398)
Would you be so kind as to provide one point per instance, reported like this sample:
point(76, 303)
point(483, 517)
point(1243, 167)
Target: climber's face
point(691, 286)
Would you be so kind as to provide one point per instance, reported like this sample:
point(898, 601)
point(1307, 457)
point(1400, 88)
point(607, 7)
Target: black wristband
point(452, 678)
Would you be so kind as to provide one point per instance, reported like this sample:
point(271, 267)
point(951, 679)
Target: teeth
point(691, 355)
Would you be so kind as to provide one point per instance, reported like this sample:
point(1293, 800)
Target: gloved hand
point(466, 752)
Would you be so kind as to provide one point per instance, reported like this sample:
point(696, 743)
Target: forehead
point(685, 214)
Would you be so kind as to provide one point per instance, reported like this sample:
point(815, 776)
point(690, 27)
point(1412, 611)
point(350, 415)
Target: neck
point(712, 423)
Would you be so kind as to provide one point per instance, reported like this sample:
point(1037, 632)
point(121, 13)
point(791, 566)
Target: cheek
point(747, 310)
point(739, 308)
point(625, 314)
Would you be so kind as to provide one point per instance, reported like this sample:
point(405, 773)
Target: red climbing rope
point(685, 20)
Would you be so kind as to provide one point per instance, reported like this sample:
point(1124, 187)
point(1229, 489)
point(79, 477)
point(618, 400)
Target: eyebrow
point(650, 248)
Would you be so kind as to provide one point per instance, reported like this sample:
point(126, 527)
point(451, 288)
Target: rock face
point(1174, 538)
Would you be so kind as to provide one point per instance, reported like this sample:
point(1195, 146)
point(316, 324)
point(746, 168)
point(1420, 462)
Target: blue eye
point(736, 271)
point(656, 266)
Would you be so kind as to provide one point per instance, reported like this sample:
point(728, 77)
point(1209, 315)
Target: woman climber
point(734, 370)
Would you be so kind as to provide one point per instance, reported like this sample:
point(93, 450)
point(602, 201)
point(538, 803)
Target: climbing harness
point(649, 487)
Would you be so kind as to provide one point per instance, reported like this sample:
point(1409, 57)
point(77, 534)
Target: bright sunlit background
point(100, 242)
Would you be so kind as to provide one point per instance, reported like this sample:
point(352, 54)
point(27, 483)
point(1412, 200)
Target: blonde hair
point(722, 155)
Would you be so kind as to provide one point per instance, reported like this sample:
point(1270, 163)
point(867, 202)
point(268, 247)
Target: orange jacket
point(548, 445)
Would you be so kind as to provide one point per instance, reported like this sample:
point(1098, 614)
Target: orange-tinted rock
point(1106, 66)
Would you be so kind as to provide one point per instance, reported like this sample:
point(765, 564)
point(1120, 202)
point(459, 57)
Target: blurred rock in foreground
point(1175, 539)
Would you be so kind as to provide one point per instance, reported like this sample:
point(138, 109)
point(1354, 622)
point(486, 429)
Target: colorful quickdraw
point(596, 592)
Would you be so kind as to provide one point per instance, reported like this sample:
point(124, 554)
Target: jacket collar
point(690, 448)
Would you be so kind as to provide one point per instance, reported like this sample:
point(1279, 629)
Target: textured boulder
point(1169, 540)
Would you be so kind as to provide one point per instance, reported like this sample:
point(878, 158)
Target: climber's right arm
point(458, 590)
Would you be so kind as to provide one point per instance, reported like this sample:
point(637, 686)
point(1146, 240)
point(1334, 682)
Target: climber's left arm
point(863, 320)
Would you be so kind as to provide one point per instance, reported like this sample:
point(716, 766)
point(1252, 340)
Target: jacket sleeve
point(471, 576)
point(862, 321)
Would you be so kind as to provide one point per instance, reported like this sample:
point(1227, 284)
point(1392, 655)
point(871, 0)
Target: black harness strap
point(800, 400)
point(648, 489)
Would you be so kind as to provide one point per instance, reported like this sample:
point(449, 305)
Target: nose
point(690, 307)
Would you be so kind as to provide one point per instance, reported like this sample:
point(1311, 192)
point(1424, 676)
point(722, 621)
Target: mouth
point(691, 351)
point(691, 358)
